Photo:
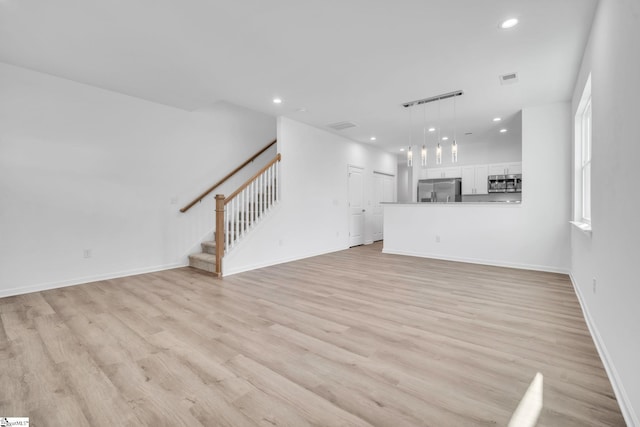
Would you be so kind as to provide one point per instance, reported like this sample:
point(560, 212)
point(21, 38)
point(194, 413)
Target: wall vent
point(341, 125)
point(508, 78)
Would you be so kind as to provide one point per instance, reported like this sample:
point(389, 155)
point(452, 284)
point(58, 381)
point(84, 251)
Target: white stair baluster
point(269, 185)
point(229, 222)
point(244, 213)
point(237, 222)
point(272, 187)
point(277, 181)
point(232, 214)
point(261, 194)
point(251, 203)
point(245, 198)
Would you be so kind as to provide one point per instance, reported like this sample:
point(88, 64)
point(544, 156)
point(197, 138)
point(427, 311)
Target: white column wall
point(611, 254)
point(86, 168)
point(312, 217)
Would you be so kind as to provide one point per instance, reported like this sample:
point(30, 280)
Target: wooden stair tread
point(203, 261)
point(208, 247)
point(201, 256)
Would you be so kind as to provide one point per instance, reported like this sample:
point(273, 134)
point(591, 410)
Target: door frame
point(364, 222)
point(394, 188)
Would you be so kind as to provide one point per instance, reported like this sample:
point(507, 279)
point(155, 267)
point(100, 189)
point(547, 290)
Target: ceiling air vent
point(342, 125)
point(508, 78)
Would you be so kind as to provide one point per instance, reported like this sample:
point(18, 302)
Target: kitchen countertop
point(502, 202)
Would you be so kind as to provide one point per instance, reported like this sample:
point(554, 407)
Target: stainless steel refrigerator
point(440, 190)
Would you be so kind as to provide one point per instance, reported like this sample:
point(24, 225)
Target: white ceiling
point(341, 60)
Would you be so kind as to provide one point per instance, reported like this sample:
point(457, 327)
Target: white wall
point(312, 217)
point(85, 168)
point(403, 180)
point(612, 253)
point(532, 235)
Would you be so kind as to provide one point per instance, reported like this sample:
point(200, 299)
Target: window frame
point(583, 146)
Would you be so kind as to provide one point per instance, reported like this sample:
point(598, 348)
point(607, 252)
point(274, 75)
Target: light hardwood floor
point(353, 338)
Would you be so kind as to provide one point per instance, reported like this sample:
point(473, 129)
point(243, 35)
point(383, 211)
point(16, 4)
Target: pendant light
point(454, 145)
point(438, 147)
point(439, 137)
point(423, 153)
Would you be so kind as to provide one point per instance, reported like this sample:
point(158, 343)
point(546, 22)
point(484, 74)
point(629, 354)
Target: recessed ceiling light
point(445, 138)
point(277, 101)
point(503, 131)
point(432, 129)
point(402, 149)
point(373, 138)
point(497, 119)
point(509, 23)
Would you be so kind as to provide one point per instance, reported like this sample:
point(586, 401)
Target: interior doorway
point(356, 206)
point(383, 191)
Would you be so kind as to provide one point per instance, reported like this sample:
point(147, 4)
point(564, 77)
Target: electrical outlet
point(174, 200)
point(281, 242)
point(87, 253)
point(437, 239)
point(594, 285)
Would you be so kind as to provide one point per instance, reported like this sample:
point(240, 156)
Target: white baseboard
point(626, 408)
point(521, 266)
point(87, 279)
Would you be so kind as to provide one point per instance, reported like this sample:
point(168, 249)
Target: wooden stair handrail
point(250, 180)
point(229, 175)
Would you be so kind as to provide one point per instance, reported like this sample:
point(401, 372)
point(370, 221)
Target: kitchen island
point(493, 233)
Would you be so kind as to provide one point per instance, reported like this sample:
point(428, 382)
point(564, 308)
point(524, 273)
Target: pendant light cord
point(423, 152)
point(439, 122)
point(455, 122)
point(410, 130)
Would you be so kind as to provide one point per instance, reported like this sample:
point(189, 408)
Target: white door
point(378, 211)
point(383, 191)
point(356, 206)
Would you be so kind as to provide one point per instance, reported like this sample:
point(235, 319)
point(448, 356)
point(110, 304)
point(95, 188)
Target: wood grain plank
point(352, 338)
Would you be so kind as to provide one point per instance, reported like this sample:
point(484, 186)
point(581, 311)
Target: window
point(583, 137)
point(586, 163)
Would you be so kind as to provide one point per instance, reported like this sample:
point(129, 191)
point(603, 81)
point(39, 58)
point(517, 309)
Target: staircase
point(237, 214)
point(205, 260)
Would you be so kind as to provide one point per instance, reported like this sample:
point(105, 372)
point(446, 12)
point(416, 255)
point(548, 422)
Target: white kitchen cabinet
point(474, 180)
point(514, 168)
point(451, 172)
point(505, 168)
point(455, 172)
point(434, 173)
